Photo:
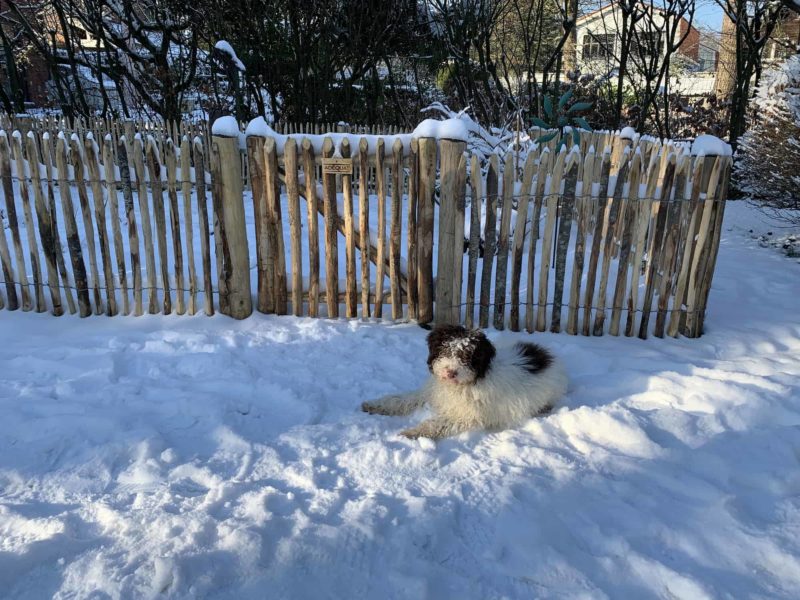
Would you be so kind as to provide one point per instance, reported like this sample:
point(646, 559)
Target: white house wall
point(603, 22)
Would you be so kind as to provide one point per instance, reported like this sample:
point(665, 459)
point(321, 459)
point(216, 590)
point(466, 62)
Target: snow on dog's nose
point(458, 356)
point(450, 370)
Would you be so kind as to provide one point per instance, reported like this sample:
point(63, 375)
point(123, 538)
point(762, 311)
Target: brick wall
point(691, 45)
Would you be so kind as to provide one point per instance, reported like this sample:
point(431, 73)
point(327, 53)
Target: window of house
point(597, 46)
point(707, 63)
point(647, 44)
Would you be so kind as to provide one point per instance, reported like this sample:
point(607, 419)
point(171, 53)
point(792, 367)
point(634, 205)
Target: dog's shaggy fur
point(473, 385)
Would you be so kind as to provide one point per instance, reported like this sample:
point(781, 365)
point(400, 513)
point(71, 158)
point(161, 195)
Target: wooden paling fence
point(160, 130)
point(612, 236)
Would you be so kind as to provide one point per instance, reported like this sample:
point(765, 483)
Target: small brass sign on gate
point(337, 166)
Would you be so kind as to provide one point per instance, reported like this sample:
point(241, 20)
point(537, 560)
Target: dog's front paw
point(373, 408)
point(413, 433)
point(388, 405)
point(433, 429)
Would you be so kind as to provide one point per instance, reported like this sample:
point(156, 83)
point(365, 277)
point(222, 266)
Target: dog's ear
point(439, 337)
point(482, 356)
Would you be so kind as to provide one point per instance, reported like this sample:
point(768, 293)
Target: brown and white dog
point(474, 385)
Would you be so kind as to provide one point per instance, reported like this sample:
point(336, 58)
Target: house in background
point(708, 51)
point(599, 40)
point(598, 45)
point(785, 40)
point(32, 71)
point(47, 86)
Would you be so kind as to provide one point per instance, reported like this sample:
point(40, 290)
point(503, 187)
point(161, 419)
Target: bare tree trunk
point(569, 60)
point(726, 66)
point(750, 26)
point(625, 42)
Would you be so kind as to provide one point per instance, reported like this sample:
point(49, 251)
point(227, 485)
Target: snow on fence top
point(709, 145)
point(449, 129)
point(259, 127)
point(458, 127)
point(226, 126)
point(452, 129)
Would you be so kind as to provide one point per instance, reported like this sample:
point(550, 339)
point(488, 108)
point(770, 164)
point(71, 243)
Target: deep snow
point(189, 457)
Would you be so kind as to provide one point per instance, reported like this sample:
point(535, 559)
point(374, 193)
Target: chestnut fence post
point(427, 189)
point(451, 232)
point(234, 277)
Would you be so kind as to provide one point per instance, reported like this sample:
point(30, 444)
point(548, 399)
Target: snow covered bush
point(482, 141)
point(769, 153)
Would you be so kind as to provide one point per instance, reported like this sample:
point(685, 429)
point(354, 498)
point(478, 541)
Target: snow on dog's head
point(457, 355)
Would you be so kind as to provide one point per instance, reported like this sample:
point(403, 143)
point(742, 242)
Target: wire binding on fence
point(386, 298)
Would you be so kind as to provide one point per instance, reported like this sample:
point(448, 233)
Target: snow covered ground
point(188, 457)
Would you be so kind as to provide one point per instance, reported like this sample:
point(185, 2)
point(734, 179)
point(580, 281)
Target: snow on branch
point(224, 47)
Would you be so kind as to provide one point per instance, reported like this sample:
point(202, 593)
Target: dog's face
point(458, 356)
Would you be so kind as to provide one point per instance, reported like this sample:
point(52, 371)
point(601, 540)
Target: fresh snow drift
point(196, 457)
